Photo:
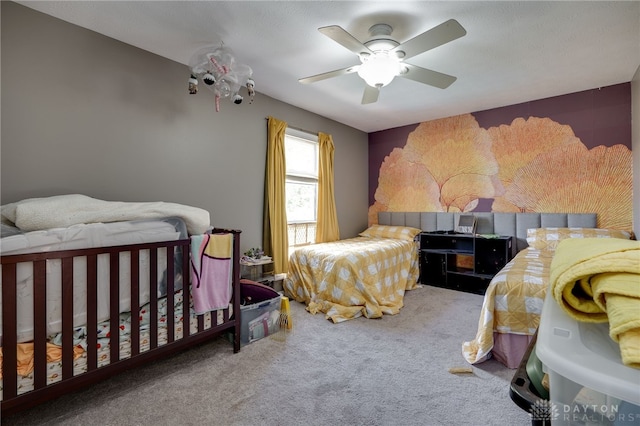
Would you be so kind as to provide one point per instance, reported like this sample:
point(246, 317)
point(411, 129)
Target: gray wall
point(84, 113)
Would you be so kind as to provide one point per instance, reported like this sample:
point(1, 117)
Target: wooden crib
point(165, 331)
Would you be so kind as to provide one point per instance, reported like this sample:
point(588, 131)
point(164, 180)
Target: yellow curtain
point(327, 228)
point(275, 238)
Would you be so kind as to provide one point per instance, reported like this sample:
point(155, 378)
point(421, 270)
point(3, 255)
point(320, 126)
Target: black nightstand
point(464, 262)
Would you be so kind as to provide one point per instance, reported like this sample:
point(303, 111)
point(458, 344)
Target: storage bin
point(260, 312)
point(535, 372)
point(525, 385)
point(588, 383)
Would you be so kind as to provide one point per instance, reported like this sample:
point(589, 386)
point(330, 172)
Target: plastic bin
point(535, 372)
point(525, 388)
point(588, 382)
point(260, 312)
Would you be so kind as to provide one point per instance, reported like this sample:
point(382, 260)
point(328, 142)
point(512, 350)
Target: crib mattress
point(54, 368)
point(81, 237)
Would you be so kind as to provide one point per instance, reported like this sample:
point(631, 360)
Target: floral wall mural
point(529, 163)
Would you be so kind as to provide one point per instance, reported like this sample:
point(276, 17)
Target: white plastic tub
point(588, 382)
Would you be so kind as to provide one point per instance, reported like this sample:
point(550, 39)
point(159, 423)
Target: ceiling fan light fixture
point(379, 69)
point(381, 45)
point(382, 57)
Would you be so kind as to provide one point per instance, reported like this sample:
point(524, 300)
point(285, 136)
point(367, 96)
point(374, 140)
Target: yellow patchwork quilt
point(353, 277)
point(513, 301)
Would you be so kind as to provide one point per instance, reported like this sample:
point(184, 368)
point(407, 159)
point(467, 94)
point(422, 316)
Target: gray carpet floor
point(388, 371)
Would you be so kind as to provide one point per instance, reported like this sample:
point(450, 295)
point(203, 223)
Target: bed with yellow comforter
point(362, 276)
point(514, 299)
point(512, 304)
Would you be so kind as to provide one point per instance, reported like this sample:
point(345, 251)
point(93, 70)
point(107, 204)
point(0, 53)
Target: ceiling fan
point(383, 58)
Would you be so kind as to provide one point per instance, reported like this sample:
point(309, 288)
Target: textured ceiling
point(513, 51)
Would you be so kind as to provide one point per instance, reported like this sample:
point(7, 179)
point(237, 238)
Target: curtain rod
point(297, 128)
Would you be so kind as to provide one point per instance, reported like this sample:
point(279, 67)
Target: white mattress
point(79, 237)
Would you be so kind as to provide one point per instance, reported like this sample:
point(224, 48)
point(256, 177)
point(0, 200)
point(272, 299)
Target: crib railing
point(168, 252)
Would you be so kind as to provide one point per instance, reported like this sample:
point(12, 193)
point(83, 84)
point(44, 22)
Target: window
point(301, 154)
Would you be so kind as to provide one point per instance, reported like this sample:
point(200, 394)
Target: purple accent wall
point(380, 145)
point(598, 117)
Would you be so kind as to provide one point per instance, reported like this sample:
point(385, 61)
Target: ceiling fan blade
point(430, 77)
point(370, 94)
point(342, 37)
point(324, 76)
point(436, 36)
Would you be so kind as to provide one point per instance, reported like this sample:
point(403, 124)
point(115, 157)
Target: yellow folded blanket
point(598, 280)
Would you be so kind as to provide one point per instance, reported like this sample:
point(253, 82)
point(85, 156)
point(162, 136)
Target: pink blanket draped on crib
point(211, 271)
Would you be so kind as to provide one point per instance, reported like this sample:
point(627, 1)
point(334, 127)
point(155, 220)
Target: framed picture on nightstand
point(466, 224)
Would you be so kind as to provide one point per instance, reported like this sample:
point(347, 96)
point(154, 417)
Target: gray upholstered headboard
point(515, 224)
